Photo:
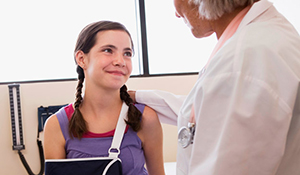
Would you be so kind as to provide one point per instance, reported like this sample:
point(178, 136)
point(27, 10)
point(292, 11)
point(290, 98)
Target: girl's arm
point(152, 142)
point(54, 142)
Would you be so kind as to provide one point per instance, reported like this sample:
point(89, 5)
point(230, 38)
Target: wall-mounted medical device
point(17, 129)
point(16, 117)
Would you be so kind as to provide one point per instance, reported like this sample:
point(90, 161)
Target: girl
point(85, 129)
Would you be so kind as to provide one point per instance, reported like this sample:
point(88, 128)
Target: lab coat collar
point(256, 10)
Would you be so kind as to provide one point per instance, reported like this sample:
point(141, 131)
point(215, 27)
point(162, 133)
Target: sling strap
point(114, 149)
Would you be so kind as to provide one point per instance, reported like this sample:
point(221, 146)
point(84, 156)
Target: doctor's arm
point(166, 105)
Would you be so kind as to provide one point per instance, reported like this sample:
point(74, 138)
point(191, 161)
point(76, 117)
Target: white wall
point(34, 95)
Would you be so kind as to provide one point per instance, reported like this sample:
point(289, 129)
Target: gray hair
point(214, 9)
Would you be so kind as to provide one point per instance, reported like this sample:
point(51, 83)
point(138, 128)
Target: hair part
point(86, 40)
point(214, 9)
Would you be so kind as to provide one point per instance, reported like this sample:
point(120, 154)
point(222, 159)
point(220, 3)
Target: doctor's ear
point(80, 59)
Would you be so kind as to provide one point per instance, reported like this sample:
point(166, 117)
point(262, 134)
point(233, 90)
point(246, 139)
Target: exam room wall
point(34, 95)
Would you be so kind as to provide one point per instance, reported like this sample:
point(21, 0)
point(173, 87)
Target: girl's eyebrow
point(128, 49)
point(110, 46)
point(114, 47)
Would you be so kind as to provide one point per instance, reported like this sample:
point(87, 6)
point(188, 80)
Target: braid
point(134, 115)
point(77, 124)
point(79, 86)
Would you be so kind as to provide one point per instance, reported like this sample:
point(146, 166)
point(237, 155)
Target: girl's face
point(108, 64)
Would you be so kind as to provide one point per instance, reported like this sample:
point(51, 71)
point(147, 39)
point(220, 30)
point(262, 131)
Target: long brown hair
point(86, 40)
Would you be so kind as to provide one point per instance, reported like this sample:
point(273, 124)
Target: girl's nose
point(119, 61)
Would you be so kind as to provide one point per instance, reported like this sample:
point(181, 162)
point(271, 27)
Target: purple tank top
point(97, 145)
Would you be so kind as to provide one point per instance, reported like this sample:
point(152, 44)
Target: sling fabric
point(91, 166)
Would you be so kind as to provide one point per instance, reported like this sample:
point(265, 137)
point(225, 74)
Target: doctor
point(242, 116)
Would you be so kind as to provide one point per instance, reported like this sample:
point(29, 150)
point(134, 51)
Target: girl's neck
point(100, 102)
point(101, 110)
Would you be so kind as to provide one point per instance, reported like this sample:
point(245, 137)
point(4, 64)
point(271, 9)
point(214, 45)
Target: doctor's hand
point(132, 95)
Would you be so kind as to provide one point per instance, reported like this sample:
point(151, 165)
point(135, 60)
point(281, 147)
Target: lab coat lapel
point(255, 11)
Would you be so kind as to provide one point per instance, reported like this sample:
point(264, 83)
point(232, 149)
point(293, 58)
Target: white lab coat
point(246, 103)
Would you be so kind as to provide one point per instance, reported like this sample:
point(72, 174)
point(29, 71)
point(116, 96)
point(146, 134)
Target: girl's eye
point(128, 54)
point(107, 50)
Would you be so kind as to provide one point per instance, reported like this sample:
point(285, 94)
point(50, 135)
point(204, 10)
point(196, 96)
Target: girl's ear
point(80, 59)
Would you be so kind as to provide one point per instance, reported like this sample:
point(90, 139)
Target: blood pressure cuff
point(84, 166)
point(44, 113)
